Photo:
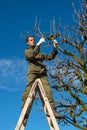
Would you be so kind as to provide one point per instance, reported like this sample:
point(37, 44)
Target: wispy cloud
point(13, 74)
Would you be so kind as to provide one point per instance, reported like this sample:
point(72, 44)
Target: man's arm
point(42, 56)
point(30, 54)
point(48, 56)
point(34, 54)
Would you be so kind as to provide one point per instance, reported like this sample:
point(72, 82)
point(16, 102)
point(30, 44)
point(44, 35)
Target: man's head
point(30, 41)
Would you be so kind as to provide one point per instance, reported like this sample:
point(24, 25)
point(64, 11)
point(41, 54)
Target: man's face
point(31, 41)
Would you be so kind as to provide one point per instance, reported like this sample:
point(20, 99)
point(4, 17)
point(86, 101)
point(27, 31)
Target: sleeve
point(30, 54)
point(51, 56)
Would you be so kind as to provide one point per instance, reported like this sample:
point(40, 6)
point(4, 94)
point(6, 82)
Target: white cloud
point(13, 74)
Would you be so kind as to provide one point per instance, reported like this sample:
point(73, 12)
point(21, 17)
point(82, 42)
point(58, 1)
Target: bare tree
point(70, 72)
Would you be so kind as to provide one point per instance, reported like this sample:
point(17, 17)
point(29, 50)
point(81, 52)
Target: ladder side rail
point(48, 118)
point(22, 127)
point(49, 109)
point(45, 110)
point(27, 103)
point(29, 107)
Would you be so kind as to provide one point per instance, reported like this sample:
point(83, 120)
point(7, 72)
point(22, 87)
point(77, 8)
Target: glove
point(41, 41)
point(55, 42)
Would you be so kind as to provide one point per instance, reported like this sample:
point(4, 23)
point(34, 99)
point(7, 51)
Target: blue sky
point(18, 16)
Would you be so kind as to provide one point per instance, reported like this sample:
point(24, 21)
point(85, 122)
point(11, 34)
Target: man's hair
point(28, 37)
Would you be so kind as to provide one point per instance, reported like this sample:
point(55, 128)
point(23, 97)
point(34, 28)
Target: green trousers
point(45, 83)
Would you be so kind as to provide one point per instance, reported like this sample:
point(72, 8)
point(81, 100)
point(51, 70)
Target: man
point(37, 69)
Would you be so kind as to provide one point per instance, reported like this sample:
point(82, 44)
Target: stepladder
point(37, 87)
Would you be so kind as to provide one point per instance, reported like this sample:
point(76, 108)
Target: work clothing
point(37, 70)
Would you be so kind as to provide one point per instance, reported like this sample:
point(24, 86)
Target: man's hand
point(41, 41)
point(55, 42)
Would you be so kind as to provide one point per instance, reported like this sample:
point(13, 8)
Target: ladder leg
point(28, 103)
point(21, 118)
point(48, 107)
point(22, 127)
point(48, 117)
point(29, 109)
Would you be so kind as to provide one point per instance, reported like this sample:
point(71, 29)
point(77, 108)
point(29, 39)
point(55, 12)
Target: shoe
point(58, 116)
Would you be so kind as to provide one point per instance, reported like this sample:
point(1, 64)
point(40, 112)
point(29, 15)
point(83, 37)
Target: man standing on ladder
point(38, 70)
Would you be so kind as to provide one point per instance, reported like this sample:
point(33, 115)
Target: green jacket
point(35, 59)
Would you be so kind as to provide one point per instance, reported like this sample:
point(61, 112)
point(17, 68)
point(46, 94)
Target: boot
point(57, 115)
